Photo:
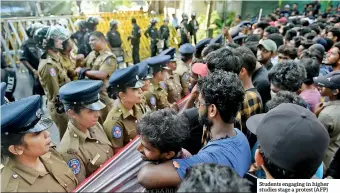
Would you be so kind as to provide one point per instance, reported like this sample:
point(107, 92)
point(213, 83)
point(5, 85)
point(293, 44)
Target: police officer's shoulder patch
point(163, 85)
point(74, 164)
point(52, 72)
point(117, 132)
point(186, 76)
point(152, 100)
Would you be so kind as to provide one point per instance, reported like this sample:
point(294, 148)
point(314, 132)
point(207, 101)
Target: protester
point(286, 53)
point(329, 113)
point(221, 95)
point(265, 51)
point(283, 133)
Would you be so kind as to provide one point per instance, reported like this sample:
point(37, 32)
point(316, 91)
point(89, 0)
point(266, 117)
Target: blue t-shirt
point(233, 152)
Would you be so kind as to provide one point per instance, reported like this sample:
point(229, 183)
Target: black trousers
point(135, 53)
point(153, 48)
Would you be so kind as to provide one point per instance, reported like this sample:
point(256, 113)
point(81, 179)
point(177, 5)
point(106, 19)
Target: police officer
point(8, 75)
point(152, 32)
point(193, 26)
point(172, 84)
point(66, 59)
point(157, 97)
point(165, 33)
point(184, 66)
point(135, 40)
point(32, 163)
point(144, 73)
point(217, 40)
point(3, 93)
point(85, 146)
point(78, 36)
point(91, 26)
point(115, 42)
point(99, 65)
point(200, 46)
point(52, 74)
point(120, 124)
point(30, 56)
point(184, 30)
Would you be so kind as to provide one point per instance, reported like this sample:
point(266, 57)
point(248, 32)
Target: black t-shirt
point(261, 82)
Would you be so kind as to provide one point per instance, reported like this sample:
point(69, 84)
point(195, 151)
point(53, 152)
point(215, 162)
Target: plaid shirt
point(251, 105)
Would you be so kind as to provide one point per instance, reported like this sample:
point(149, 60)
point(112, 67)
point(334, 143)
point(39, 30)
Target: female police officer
point(120, 123)
point(52, 74)
point(144, 73)
point(33, 164)
point(85, 145)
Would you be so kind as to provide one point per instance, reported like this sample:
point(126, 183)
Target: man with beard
point(221, 95)
point(333, 57)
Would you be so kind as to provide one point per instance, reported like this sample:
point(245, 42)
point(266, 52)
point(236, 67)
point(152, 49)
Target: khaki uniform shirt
point(16, 177)
point(120, 125)
point(85, 152)
point(157, 97)
point(183, 70)
point(329, 117)
point(102, 61)
point(173, 87)
point(144, 107)
point(52, 76)
point(68, 65)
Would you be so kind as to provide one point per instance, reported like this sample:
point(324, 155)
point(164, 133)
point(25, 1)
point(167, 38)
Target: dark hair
point(223, 59)
point(247, 58)
point(312, 69)
point(252, 46)
point(288, 51)
point(287, 75)
point(296, 21)
point(337, 45)
point(298, 40)
point(164, 129)
point(197, 60)
point(304, 30)
point(311, 35)
point(210, 48)
point(272, 30)
point(133, 20)
point(315, 28)
point(97, 34)
point(305, 23)
point(232, 45)
point(307, 43)
point(225, 91)
point(290, 34)
point(252, 38)
point(210, 177)
point(277, 38)
point(75, 108)
point(113, 92)
point(336, 32)
point(329, 44)
point(262, 25)
point(7, 141)
point(280, 173)
point(284, 96)
point(286, 28)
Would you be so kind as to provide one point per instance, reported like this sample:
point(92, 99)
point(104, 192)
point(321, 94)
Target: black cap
point(331, 80)
point(23, 116)
point(126, 78)
point(291, 137)
point(82, 92)
point(201, 44)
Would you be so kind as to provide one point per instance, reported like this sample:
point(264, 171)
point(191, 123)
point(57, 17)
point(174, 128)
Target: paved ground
point(24, 89)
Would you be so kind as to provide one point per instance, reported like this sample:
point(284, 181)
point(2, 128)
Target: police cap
point(201, 44)
point(23, 116)
point(126, 78)
point(218, 39)
point(170, 52)
point(82, 92)
point(187, 49)
point(158, 63)
point(144, 71)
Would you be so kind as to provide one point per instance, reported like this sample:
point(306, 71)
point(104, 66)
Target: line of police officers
point(94, 105)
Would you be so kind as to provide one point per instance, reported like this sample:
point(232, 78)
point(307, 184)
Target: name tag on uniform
point(95, 159)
